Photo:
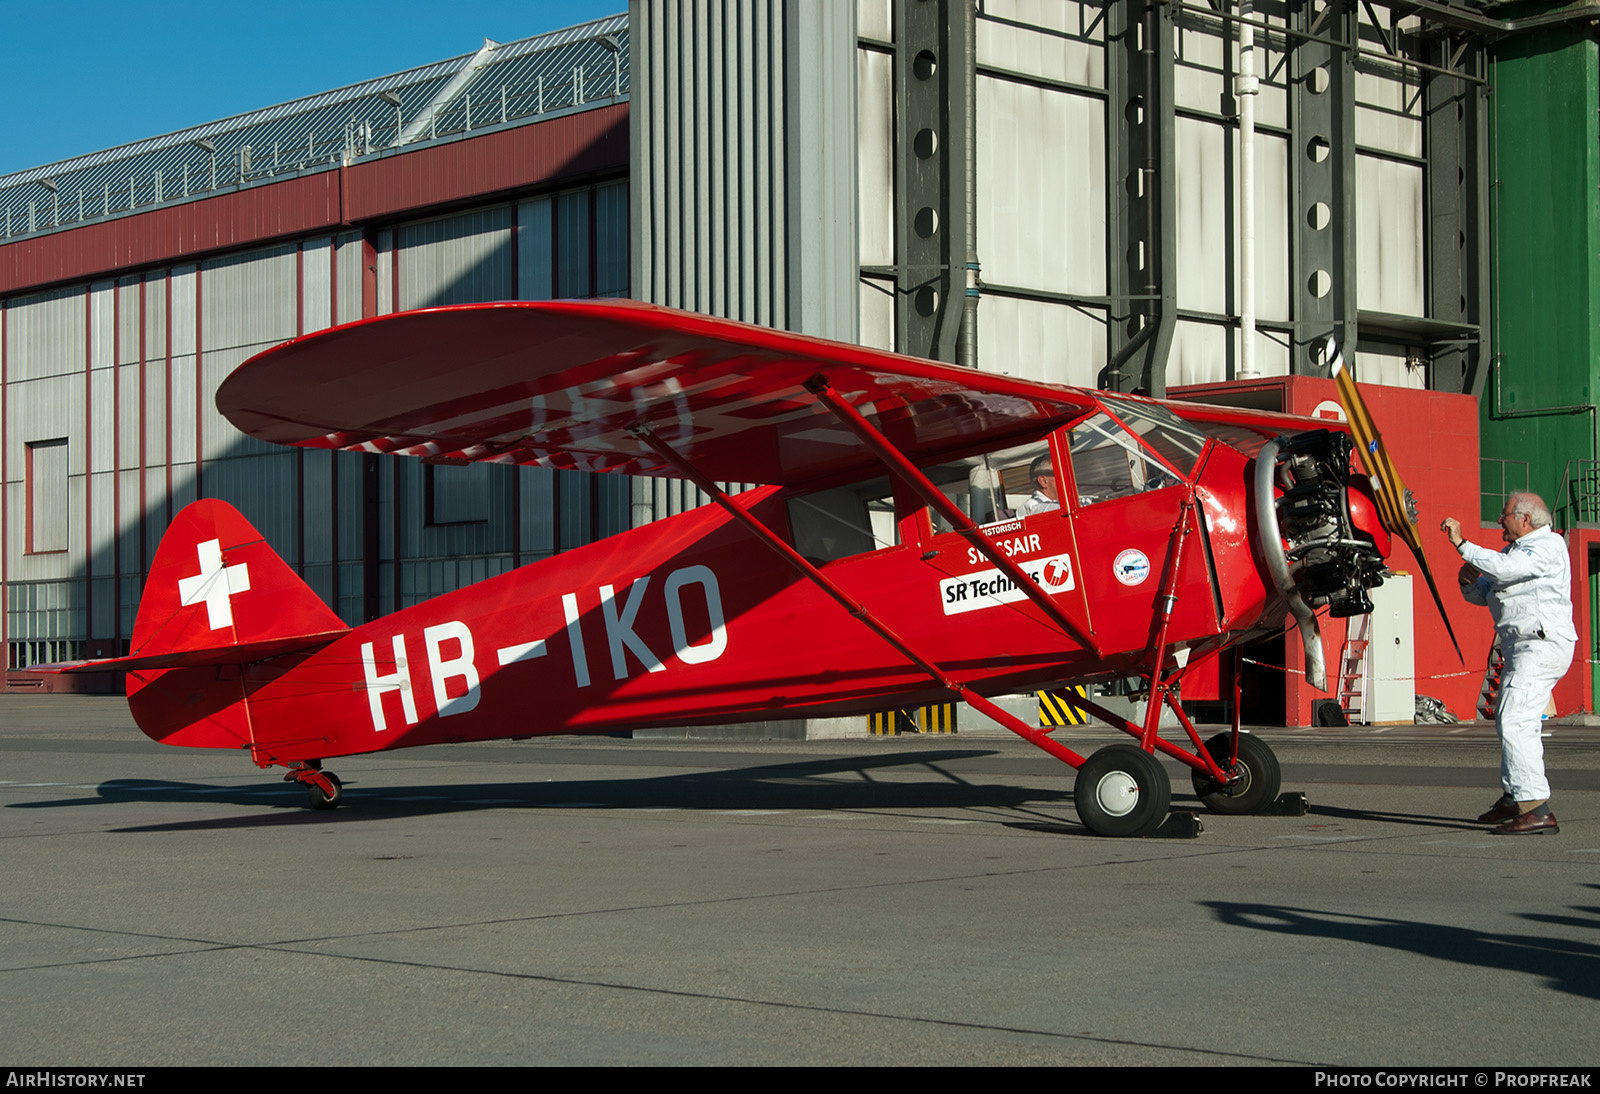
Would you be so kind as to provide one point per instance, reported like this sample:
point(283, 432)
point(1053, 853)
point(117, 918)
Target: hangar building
point(1054, 189)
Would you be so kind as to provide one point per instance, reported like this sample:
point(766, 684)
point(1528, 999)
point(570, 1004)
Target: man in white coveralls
point(1527, 588)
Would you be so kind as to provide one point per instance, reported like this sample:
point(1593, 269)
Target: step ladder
point(1354, 683)
point(1489, 694)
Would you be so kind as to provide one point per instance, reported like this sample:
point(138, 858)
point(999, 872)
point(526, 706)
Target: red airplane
point(896, 553)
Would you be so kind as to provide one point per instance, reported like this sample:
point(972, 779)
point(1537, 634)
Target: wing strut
point(913, 476)
point(1031, 734)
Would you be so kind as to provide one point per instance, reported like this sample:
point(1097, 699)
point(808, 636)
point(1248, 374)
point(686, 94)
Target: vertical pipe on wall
point(88, 468)
point(967, 336)
point(1245, 88)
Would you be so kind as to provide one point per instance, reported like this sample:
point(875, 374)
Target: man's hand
point(1469, 575)
point(1451, 527)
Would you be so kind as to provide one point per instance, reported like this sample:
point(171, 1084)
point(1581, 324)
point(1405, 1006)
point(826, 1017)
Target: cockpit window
point(848, 520)
point(989, 487)
point(1110, 462)
point(1174, 440)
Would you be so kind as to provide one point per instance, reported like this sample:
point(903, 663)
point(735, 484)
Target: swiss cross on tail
point(217, 594)
point(215, 585)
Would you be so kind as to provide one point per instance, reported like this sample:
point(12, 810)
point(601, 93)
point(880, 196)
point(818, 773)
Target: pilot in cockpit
point(1043, 473)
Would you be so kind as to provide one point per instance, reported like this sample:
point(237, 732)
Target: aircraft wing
point(561, 384)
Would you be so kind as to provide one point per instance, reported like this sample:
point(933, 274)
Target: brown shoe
point(1503, 810)
point(1527, 825)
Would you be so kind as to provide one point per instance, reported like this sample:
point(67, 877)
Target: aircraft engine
point(1321, 536)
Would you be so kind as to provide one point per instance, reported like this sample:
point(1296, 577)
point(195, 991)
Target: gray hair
point(1530, 505)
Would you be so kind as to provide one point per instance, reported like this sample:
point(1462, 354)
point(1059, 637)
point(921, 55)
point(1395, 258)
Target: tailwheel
point(1122, 790)
point(320, 798)
point(323, 788)
point(1258, 777)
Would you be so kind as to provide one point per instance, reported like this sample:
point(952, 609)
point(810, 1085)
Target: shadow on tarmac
point(821, 785)
point(1567, 966)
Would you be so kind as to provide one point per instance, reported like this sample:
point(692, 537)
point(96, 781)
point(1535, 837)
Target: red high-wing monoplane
point(885, 560)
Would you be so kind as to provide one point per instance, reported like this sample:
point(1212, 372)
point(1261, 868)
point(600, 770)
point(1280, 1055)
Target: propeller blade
point(1395, 507)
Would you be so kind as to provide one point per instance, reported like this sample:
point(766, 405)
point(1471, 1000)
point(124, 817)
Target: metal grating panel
point(562, 70)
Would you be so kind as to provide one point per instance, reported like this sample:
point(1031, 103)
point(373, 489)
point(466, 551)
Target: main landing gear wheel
point(321, 800)
point(1260, 777)
point(1122, 791)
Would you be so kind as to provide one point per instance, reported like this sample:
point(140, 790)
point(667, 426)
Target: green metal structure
point(1538, 400)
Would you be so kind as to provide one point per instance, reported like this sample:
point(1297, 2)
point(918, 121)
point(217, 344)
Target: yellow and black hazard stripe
point(1056, 708)
point(938, 718)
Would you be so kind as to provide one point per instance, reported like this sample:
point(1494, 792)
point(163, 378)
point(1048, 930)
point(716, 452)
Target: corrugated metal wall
point(111, 387)
point(1042, 188)
point(744, 159)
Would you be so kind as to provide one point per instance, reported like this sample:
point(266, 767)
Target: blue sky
point(79, 77)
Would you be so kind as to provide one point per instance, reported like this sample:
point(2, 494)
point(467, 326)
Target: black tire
point(1122, 790)
point(319, 800)
point(1262, 777)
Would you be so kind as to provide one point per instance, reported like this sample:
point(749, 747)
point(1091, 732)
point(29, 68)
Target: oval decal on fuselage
point(1131, 567)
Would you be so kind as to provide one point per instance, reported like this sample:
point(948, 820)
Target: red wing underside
point(563, 384)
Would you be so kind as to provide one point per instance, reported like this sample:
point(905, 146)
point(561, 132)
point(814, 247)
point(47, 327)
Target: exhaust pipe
point(1278, 566)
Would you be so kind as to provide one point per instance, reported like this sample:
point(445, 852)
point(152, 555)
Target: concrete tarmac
point(911, 900)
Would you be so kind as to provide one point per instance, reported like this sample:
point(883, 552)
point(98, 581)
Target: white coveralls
point(1039, 503)
point(1527, 588)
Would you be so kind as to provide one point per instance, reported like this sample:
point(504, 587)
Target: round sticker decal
point(1131, 567)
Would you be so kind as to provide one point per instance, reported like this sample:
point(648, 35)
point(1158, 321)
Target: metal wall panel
point(1039, 340)
point(877, 314)
point(102, 549)
point(1203, 80)
point(182, 403)
point(536, 534)
point(875, 159)
point(43, 410)
point(1389, 110)
point(349, 515)
point(249, 299)
point(102, 329)
point(155, 315)
point(102, 427)
point(874, 19)
point(456, 260)
point(155, 411)
point(1045, 38)
point(744, 152)
point(129, 557)
point(317, 501)
point(1389, 368)
point(1208, 221)
point(45, 334)
point(129, 320)
point(158, 513)
point(573, 270)
point(1201, 351)
point(1390, 246)
point(220, 439)
point(127, 414)
point(316, 284)
point(611, 249)
point(352, 268)
point(184, 485)
point(535, 250)
point(182, 281)
point(1042, 181)
point(265, 489)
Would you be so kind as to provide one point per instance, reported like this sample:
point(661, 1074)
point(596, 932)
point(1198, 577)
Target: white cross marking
point(214, 584)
